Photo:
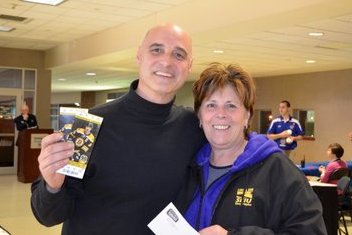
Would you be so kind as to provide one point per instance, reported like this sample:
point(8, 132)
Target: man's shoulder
point(292, 119)
point(183, 111)
point(295, 121)
point(277, 120)
point(31, 115)
point(106, 108)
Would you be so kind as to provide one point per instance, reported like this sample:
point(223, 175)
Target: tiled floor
point(16, 215)
point(15, 211)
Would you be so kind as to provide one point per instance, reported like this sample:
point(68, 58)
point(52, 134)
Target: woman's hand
point(213, 230)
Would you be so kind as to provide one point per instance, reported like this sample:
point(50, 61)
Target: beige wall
point(32, 59)
point(329, 94)
point(184, 95)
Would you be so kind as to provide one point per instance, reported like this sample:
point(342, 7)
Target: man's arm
point(50, 208)
point(20, 125)
point(281, 135)
point(51, 201)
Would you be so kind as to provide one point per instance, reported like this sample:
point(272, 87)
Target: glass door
point(9, 104)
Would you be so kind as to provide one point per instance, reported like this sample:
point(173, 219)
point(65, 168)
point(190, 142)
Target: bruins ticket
point(82, 129)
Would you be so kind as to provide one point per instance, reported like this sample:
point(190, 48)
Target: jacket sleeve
point(250, 230)
point(20, 126)
point(35, 122)
point(53, 208)
point(295, 210)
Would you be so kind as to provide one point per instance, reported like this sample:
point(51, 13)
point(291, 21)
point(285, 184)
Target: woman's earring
point(200, 125)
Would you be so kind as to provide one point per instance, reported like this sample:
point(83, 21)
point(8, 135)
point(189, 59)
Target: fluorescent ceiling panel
point(6, 28)
point(48, 2)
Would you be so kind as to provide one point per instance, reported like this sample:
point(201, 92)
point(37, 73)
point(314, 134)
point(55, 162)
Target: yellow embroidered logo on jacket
point(244, 197)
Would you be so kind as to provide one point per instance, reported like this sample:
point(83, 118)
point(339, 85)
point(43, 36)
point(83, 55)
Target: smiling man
point(140, 157)
point(165, 60)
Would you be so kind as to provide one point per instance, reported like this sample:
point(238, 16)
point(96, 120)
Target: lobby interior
point(295, 50)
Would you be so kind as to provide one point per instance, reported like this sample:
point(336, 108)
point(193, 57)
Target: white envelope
point(170, 222)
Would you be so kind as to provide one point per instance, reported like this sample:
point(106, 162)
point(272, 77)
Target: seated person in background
point(334, 153)
point(241, 183)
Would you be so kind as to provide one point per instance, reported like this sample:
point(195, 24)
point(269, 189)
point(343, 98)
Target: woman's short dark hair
point(216, 77)
point(336, 149)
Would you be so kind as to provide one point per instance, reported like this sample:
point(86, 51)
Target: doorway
point(9, 106)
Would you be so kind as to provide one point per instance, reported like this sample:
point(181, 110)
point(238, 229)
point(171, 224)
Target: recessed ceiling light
point(47, 2)
point(91, 74)
point(316, 34)
point(6, 28)
point(310, 61)
point(218, 51)
point(61, 79)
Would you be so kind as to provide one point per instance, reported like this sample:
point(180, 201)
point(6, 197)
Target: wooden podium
point(29, 142)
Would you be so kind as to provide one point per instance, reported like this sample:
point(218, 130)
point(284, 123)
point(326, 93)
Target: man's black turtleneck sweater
point(137, 167)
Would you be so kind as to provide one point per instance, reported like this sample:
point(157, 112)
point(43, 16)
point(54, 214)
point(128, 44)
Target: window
point(306, 118)
point(261, 120)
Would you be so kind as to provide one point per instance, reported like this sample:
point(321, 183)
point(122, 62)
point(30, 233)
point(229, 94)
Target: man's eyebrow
point(156, 45)
point(182, 49)
point(162, 45)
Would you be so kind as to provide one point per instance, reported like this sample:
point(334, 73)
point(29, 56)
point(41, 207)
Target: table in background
point(328, 197)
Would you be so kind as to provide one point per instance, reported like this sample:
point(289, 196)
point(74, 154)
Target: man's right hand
point(285, 134)
point(54, 155)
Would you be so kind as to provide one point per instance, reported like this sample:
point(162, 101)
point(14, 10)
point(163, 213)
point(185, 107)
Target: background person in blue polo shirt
point(285, 130)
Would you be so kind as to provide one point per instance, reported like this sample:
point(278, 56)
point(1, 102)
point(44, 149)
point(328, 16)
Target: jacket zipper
point(201, 191)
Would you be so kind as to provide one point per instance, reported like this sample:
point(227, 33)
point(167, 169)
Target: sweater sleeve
point(324, 178)
point(52, 208)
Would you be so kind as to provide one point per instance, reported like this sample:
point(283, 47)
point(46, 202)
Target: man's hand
point(213, 230)
point(286, 133)
point(54, 155)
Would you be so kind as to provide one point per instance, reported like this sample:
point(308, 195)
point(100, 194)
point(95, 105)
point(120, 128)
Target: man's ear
point(190, 65)
point(138, 56)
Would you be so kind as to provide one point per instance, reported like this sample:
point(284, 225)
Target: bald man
point(25, 120)
point(141, 155)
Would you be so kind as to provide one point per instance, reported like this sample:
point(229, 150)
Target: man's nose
point(166, 59)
